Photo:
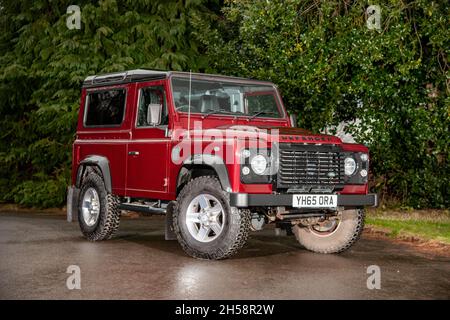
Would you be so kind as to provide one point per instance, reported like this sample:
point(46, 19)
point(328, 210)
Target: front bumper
point(243, 200)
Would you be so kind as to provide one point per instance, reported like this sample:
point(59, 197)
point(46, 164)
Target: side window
point(151, 95)
point(105, 108)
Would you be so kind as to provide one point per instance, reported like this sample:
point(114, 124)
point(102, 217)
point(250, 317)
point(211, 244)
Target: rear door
point(148, 147)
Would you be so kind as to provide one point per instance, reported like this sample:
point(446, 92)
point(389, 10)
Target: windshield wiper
point(216, 111)
point(257, 113)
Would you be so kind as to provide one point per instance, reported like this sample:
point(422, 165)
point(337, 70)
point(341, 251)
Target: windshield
point(220, 97)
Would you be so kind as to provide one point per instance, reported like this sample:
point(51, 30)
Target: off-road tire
point(346, 234)
point(109, 217)
point(236, 227)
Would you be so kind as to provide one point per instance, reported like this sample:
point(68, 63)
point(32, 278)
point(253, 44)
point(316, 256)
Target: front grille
point(310, 166)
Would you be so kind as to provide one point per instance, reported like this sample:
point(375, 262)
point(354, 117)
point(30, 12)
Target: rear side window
point(105, 108)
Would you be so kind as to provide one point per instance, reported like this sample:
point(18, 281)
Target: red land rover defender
point(219, 156)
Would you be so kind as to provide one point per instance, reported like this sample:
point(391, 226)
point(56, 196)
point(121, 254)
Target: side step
point(169, 233)
point(141, 208)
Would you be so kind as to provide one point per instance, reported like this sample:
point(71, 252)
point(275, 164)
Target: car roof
point(139, 75)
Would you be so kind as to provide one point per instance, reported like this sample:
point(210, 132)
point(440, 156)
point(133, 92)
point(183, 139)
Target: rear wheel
point(205, 224)
point(98, 213)
point(332, 235)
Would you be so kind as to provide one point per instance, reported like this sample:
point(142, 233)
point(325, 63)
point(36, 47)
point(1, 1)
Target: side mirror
point(293, 120)
point(154, 111)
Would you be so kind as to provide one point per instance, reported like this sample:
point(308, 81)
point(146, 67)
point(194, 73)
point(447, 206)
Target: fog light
point(363, 173)
point(349, 166)
point(245, 170)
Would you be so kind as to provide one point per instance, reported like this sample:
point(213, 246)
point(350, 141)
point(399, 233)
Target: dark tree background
point(329, 66)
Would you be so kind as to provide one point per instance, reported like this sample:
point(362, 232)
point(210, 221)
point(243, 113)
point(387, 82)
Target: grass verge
point(420, 224)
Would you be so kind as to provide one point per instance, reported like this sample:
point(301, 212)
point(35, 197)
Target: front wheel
point(332, 235)
point(205, 224)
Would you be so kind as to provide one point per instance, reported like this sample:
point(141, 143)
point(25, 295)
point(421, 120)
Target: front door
point(148, 146)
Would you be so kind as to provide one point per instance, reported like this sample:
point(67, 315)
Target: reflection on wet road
point(35, 251)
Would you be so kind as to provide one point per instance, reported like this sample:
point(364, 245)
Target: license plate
point(314, 200)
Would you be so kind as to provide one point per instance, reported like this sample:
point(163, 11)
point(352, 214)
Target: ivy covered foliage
point(329, 65)
point(43, 64)
point(390, 85)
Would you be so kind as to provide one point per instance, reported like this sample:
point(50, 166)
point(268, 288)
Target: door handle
point(133, 153)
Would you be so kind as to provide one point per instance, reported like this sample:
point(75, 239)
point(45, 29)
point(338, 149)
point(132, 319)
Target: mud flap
point(170, 233)
point(72, 203)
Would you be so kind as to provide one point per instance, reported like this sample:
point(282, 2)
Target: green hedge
point(42, 67)
point(330, 68)
point(328, 65)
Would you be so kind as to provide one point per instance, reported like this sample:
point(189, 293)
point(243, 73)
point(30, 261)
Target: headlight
point(349, 166)
point(259, 164)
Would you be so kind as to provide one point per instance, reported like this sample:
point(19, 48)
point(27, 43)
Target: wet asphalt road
point(35, 251)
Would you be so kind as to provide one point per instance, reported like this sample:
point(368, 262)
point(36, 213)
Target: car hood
point(282, 134)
